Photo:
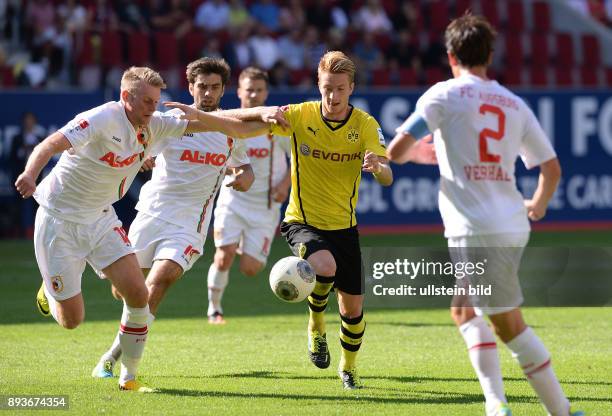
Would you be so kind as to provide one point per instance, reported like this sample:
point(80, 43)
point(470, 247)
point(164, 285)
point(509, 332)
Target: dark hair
point(254, 73)
point(470, 39)
point(208, 66)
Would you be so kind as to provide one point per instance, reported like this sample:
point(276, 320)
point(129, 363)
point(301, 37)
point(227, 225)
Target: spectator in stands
point(318, 14)
point(336, 40)
point(367, 56)
point(279, 75)
point(238, 52)
point(264, 48)
point(75, 16)
point(7, 78)
point(405, 51)
point(313, 47)
point(102, 17)
point(40, 17)
point(372, 17)
point(172, 17)
point(212, 48)
point(131, 16)
point(435, 54)
point(291, 49)
point(267, 13)
point(213, 15)
point(292, 16)
point(406, 17)
point(238, 15)
point(21, 147)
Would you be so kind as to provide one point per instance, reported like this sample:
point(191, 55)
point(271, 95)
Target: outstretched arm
point(550, 174)
point(43, 152)
point(206, 121)
point(270, 114)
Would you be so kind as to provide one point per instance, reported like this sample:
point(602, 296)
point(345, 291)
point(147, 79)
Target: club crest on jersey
point(143, 135)
point(57, 283)
point(353, 135)
point(305, 149)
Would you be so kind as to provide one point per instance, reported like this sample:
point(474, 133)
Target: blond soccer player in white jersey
point(102, 151)
point(245, 222)
point(175, 206)
point(480, 128)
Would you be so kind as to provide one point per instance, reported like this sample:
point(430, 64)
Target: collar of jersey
point(127, 120)
point(340, 123)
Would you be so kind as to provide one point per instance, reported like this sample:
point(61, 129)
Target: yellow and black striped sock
point(317, 302)
point(351, 334)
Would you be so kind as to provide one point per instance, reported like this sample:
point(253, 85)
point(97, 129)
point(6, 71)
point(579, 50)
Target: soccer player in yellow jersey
point(332, 143)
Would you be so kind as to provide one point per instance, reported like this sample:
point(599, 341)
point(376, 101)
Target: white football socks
point(534, 359)
point(132, 338)
point(217, 281)
point(482, 349)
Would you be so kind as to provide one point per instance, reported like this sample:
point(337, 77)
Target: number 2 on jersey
point(498, 134)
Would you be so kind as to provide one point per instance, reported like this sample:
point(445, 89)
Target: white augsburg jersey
point(268, 155)
point(187, 176)
point(103, 161)
point(480, 128)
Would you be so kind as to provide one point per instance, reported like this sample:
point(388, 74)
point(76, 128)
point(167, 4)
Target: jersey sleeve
point(83, 128)
point(292, 112)
point(535, 147)
point(168, 124)
point(431, 106)
point(283, 143)
point(239, 155)
point(374, 139)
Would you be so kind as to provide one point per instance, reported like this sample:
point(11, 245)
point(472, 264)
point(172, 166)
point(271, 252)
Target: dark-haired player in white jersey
point(175, 206)
point(480, 128)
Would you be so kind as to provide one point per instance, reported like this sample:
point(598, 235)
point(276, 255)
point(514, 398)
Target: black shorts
point(305, 240)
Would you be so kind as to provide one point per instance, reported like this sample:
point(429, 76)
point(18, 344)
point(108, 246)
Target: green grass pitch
point(412, 362)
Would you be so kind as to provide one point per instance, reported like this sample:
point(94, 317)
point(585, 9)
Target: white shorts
point(62, 248)
point(253, 237)
point(156, 239)
point(503, 253)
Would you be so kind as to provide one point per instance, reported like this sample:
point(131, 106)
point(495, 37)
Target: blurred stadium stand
point(77, 46)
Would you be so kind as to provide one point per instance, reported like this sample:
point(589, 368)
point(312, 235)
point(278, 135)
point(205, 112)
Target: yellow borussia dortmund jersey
point(326, 162)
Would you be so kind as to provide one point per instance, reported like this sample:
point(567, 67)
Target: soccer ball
point(292, 279)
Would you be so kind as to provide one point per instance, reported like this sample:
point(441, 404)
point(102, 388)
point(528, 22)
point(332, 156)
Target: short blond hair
point(337, 62)
point(135, 74)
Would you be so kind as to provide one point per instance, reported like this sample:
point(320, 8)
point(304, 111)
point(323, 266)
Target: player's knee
point(324, 266)
point(224, 256)
point(250, 269)
point(137, 297)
